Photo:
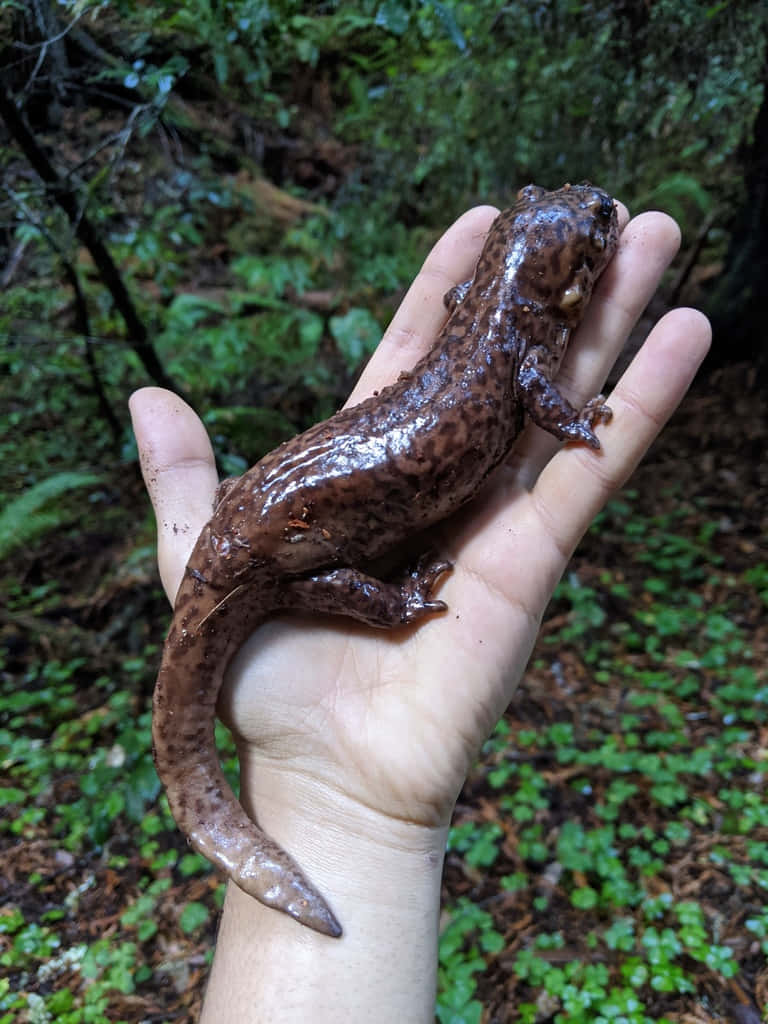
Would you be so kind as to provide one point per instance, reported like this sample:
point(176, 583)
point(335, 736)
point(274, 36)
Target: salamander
point(301, 529)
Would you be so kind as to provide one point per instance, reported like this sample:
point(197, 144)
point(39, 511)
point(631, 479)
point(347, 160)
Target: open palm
point(389, 720)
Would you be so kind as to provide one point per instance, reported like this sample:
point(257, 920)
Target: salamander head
point(557, 245)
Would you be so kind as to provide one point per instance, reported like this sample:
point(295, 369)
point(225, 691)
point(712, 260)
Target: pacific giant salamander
point(299, 529)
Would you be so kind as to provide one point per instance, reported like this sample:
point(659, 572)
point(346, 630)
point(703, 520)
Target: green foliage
point(444, 103)
point(682, 196)
point(31, 514)
point(571, 90)
point(463, 946)
point(193, 916)
point(530, 796)
point(46, 394)
point(449, 100)
point(477, 843)
point(586, 617)
point(271, 343)
point(757, 576)
point(250, 429)
point(356, 334)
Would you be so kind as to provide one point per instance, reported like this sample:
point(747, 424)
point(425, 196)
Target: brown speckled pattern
point(298, 528)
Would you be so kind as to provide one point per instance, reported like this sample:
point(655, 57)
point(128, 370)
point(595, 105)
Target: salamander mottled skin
point(298, 529)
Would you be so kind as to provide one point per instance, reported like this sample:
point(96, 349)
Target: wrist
point(381, 877)
point(364, 861)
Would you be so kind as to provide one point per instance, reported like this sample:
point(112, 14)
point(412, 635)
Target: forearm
point(382, 880)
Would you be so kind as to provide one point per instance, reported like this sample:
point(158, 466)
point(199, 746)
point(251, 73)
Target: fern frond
point(29, 515)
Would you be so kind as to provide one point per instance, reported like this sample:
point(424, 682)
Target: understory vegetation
point(230, 198)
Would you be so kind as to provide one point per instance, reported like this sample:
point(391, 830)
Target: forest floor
point(696, 527)
point(613, 836)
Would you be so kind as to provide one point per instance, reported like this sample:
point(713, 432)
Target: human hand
point(384, 724)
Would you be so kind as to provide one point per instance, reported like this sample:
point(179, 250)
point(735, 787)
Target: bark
point(739, 305)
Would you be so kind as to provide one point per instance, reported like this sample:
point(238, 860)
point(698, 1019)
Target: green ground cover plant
point(665, 764)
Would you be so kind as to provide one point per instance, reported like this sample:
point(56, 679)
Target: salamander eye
point(602, 206)
point(607, 207)
point(572, 296)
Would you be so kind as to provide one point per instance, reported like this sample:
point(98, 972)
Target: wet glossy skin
point(298, 529)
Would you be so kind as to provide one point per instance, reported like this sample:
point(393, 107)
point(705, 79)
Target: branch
point(65, 198)
point(82, 319)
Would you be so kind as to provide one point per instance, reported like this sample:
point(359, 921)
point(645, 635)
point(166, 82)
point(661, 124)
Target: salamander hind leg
point(365, 598)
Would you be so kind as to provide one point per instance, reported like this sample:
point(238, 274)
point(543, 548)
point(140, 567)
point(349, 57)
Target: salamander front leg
point(550, 410)
point(456, 295)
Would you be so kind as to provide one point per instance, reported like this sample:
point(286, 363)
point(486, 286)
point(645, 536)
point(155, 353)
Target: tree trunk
point(739, 305)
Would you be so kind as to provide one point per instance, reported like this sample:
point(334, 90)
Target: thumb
point(179, 470)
